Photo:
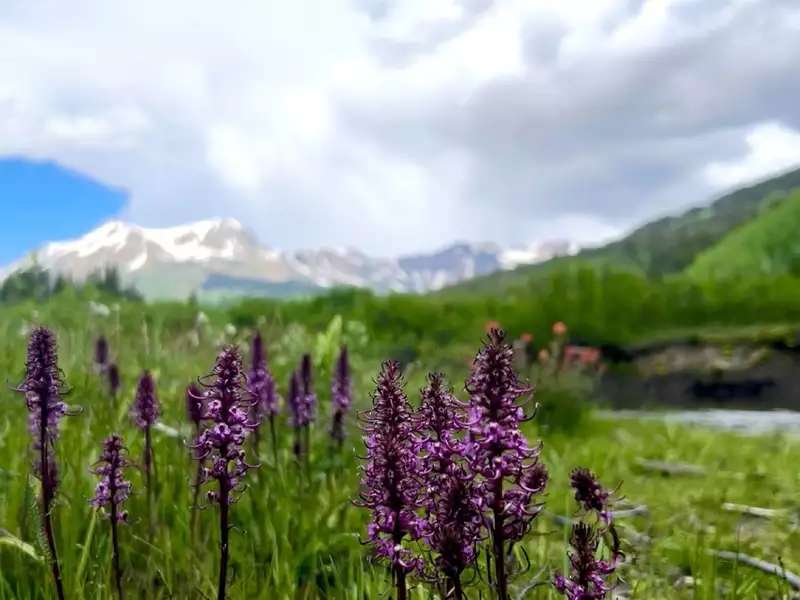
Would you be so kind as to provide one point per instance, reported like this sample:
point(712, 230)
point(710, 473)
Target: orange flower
point(491, 324)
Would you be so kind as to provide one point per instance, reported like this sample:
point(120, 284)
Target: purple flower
point(443, 421)
point(195, 404)
point(111, 492)
point(101, 353)
point(309, 398)
point(588, 574)
point(455, 521)
point(113, 378)
point(588, 579)
point(113, 489)
point(145, 408)
point(221, 444)
point(497, 449)
point(341, 395)
point(507, 468)
point(590, 494)
point(390, 482)
point(453, 507)
point(43, 389)
point(261, 384)
point(299, 404)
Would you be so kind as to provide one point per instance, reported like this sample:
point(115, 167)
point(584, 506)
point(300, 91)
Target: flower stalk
point(390, 482)
point(145, 412)
point(111, 492)
point(262, 389)
point(43, 388)
point(341, 396)
point(509, 474)
point(222, 444)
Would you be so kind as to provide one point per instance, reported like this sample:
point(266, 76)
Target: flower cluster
point(455, 521)
point(587, 580)
point(390, 482)
point(308, 399)
point(145, 408)
point(589, 494)
point(261, 384)
point(442, 419)
point(496, 448)
point(113, 489)
point(454, 511)
point(43, 388)
point(589, 574)
point(341, 395)
point(221, 445)
point(300, 403)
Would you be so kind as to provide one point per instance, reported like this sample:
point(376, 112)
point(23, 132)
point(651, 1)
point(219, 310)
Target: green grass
point(297, 532)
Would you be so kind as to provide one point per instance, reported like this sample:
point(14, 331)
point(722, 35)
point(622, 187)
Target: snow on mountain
point(221, 255)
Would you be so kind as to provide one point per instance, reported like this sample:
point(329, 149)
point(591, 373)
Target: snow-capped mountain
point(221, 257)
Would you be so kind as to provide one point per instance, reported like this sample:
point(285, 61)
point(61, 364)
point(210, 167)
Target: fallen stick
point(753, 511)
point(666, 468)
point(766, 567)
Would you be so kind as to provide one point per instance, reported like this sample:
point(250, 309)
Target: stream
point(752, 422)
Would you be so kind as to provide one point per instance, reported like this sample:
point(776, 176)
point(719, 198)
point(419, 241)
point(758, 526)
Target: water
point(743, 421)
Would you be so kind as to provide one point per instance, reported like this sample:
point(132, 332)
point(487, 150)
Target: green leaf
point(7, 539)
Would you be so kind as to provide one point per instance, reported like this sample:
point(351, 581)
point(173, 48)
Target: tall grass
point(298, 537)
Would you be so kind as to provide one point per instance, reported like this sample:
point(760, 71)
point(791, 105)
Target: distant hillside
point(671, 244)
point(766, 245)
point(661, 247)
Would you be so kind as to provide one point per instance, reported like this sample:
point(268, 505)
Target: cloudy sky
point(402, 125)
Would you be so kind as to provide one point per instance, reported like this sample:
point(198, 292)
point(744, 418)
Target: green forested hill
point(662, 247)
point(766, 245)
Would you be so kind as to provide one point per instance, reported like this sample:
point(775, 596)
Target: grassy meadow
point(297, 533)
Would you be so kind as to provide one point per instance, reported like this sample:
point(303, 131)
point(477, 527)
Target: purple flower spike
point(113, 489)
point(145, 412)
point(262, 389)
point(341, 395)
point(590, 494)
point(43, 389)
point(309, 398)
point(390, 482)
point(222, 443)
point(261, 384)
point(145, 408)
point(498, 452)
point(588, 574)
point(101, 353)
point(442, 418)
point(299, 404)
point(455, 524)
point(111, 492)
point(588, 579)
point(453, 507)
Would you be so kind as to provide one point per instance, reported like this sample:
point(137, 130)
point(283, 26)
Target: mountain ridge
point(661, 247)
point(219, 257)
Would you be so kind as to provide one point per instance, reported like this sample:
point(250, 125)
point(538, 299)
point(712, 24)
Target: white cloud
point(397, 125)
point(771, 148)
